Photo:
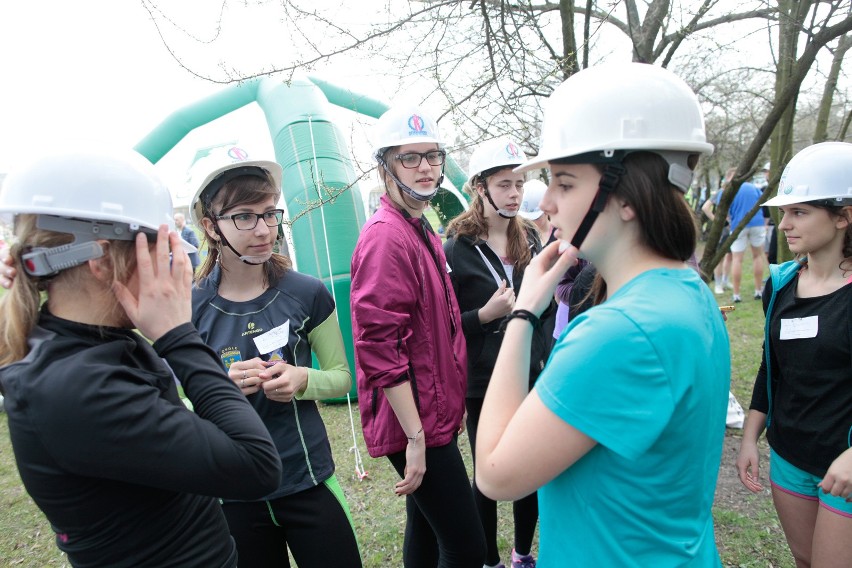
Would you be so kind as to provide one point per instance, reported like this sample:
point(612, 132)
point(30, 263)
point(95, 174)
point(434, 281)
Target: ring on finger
point(242, 383)
point(244, 374)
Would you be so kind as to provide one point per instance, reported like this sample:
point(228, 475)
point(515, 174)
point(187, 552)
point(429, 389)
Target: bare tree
point(490, 63)
point(825, 24)
point(827, 101)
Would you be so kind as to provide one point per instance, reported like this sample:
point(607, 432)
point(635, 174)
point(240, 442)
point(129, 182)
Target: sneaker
point(718, 289)
point(758, 295)
point(737, 298)
point(519, 561)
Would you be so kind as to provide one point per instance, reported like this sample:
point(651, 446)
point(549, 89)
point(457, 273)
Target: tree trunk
point(569, 62)
point(821, 130)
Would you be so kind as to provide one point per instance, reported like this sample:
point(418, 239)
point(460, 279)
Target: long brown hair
point(473, 223)
point(241, 190)
point(19, 307)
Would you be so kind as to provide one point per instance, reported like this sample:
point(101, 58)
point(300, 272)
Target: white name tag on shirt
point(799, 328)
point(273, 339)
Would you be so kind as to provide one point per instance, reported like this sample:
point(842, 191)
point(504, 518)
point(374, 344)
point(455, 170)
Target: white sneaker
point(718, 289)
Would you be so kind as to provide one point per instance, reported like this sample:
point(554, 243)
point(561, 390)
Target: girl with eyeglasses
point(411, 364)
point(263, 320)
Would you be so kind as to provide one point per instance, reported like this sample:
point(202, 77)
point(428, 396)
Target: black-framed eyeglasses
point(411, 160)
point(248, 221)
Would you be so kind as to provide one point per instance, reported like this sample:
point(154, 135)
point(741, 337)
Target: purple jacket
point(406, 326)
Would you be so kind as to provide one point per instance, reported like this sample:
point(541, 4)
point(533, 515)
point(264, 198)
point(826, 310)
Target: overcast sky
point(76, 72)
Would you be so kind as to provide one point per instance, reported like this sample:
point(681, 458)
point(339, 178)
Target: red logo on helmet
point(513, 150)
point(417, 126)
point(237, 154)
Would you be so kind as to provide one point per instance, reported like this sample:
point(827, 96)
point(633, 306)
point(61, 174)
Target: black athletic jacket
point(474, 284)
point(125, 474)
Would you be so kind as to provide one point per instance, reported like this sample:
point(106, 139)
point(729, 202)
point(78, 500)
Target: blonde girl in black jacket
point(488, 248)
point(124, 472)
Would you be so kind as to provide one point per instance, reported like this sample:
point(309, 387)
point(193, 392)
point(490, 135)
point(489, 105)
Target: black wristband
point(523, 314)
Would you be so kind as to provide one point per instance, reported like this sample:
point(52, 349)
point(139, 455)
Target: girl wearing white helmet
point(126, 475)
point(801, 394)
point(534, 190)
point(488, 248)
point(622, 433)
point(263, 320)
point(409, 349)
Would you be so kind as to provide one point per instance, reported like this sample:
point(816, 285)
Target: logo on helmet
point(512, 150)
point(416, 126)
point(237, 154)
point(788, 190)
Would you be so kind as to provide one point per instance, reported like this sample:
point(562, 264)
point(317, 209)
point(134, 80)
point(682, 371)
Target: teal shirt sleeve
point(606, 379)
point(333, 378)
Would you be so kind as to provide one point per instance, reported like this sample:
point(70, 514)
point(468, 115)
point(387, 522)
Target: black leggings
point(525, 510)
point(312, 523)
point(442, 528)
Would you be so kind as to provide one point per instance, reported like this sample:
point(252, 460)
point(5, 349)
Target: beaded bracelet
point(523, 314)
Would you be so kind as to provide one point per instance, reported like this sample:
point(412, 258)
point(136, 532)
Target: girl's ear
point(102, 268)
point(480, 187)
point(625, 211)
point(845, 217)
point(209, 228)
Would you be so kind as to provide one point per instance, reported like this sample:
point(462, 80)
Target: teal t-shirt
point(646, 375)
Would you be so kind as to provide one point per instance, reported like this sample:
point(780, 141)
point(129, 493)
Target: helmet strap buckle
point(49, 261)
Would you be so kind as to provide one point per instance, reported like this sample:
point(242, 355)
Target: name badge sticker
point(273, 339)
point(799, 328)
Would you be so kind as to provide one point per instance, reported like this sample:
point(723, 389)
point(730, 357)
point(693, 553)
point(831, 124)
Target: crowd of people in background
point(563, 326)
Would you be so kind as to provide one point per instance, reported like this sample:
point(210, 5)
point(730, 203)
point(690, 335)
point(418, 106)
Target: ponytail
point(19, 307)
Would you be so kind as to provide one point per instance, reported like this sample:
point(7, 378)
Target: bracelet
point(413, 439)
point(523, 314)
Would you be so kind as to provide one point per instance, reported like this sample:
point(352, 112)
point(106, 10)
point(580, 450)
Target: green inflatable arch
point(312, 151)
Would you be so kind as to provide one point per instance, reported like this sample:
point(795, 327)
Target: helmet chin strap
point(407, 190)
point(609, 180)
point(502, 212)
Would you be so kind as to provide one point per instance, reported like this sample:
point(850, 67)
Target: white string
point(359, 464)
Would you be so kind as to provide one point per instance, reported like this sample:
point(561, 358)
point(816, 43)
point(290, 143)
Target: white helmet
point(493, 154)
point(531, 204)
point(404, 124)
point(214, 167)
point(489, 156)
point(613, 109)
point(822, 172)
point(92, 194)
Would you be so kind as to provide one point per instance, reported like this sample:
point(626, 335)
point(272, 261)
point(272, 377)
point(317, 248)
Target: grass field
point(747, 530)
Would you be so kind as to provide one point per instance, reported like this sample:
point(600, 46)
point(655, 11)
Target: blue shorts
point(788, 478)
